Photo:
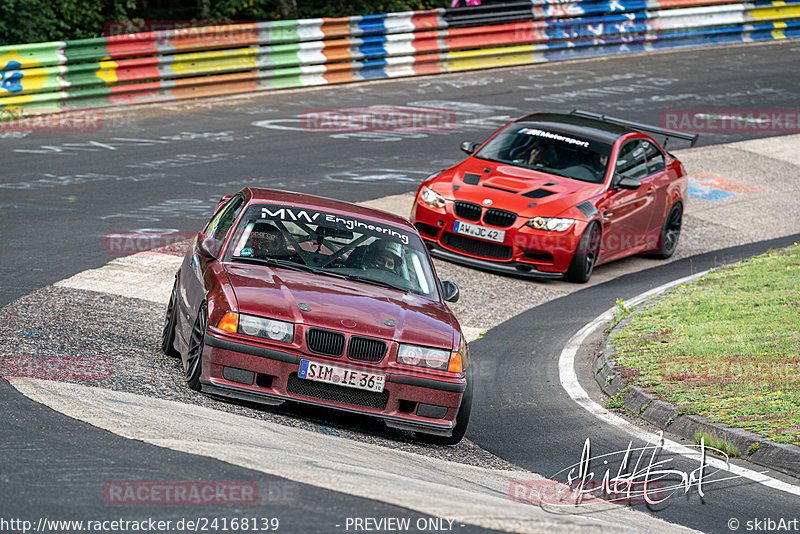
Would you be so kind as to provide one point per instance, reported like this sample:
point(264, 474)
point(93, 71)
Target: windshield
point(537, 146)
point(335, 245)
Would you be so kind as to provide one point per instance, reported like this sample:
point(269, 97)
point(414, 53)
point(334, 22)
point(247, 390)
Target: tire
point(168, 333)
point(194, 354)
point(462, 420)
point(670, 232)
point(585, 257)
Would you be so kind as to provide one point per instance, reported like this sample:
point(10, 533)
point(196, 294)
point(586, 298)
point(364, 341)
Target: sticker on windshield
point(332, 220)
point(554, 136)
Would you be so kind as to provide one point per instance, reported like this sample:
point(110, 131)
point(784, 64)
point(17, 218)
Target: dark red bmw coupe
point(292, 297)
point(554, 195)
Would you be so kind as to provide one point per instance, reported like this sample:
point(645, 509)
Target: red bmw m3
point(292, 297)
point(553, 195)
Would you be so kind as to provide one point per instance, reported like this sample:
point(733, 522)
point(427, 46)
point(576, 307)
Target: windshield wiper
point(358, 278)
point(273, 262)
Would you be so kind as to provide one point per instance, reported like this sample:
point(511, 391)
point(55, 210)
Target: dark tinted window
point(630, 161)
point(654, 157)
point(222, 222)
point(544, 147)
point(329, 243)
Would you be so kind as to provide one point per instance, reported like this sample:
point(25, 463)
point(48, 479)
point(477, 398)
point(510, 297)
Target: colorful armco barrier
point(218, 60)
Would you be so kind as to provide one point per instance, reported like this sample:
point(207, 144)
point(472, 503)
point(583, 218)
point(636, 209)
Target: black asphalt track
point(63, 193)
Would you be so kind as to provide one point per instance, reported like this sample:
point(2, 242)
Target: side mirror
point(469, 147)
point(207, 247)
point(451, 291)
point(625, 182)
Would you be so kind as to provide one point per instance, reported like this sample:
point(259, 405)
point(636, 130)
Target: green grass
point(616, 402)
point(726, 346)
point(718, 443)
point(621, 312)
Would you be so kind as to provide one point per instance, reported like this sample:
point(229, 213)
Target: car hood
point(341, 305)
point(526, 192)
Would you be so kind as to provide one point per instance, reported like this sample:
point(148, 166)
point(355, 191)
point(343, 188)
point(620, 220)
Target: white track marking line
point(433, 486)
point(146, 275)
point(569, 381)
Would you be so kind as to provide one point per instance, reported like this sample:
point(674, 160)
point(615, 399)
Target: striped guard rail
point(219, 60)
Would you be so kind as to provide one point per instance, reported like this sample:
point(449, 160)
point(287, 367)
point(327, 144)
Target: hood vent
point(471, 179)
point(500, 188)
point(588, 209)
point(539, 193)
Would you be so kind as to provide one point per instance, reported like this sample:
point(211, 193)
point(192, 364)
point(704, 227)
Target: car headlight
point(423, 356)
point(455, 361)
point(551, 224)
point(266, 328)
point(429, 196)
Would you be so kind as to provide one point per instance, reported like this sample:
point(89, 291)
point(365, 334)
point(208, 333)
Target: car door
point(192, 288)
point(627, 212)
point(658, 180)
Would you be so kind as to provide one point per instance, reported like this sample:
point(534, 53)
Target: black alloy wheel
point(670, 232)
point(194, 356)
point(168, 333)
point(585, 257)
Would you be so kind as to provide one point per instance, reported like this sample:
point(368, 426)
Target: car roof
point(255, 195)
point(592, 129)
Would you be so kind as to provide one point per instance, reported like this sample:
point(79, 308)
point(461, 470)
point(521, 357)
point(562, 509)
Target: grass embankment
point(726, 346)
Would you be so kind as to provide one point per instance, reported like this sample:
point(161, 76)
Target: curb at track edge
point(569, 381)
point(781, 457)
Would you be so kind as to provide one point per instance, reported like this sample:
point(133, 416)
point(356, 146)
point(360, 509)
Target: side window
point(631, 160)
point(222, 222)
point(653, 157)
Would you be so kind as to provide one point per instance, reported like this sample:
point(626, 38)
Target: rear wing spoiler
point(692, 138)
point(222, 201)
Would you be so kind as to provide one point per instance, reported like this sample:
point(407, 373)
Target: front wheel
point(585, 257)
point(168, 333)
point(670, 233)
point(194, 355)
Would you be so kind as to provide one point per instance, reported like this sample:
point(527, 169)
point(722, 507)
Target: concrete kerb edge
point(778, 456)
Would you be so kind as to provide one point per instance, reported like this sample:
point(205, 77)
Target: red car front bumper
point(261, 374)
point(523, 252)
